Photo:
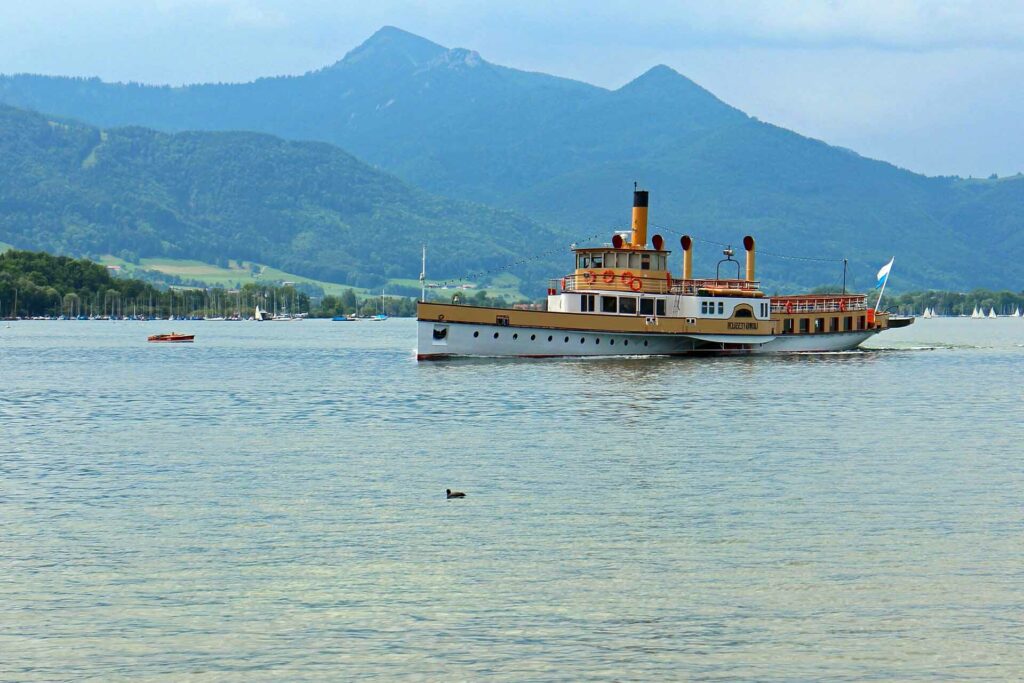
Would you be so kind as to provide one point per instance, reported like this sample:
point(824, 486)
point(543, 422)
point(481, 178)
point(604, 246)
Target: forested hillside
point(304, 207)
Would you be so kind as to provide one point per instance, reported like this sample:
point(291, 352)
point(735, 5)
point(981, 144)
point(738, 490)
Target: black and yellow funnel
point(638, 240)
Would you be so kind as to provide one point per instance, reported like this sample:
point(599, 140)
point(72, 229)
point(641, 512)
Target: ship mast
point(423, 276)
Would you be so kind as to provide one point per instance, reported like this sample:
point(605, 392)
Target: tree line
point(37, 284)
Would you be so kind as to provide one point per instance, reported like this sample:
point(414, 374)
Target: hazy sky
point(936, 87)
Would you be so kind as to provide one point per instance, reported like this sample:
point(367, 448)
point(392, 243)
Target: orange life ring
point(589, 276)
point(627, 277)
point(608, 276)
point(789, 307)
point(842, 305)
point(635, 284)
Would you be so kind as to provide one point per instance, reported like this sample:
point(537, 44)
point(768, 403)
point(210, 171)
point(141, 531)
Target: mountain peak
point(661, 76)
point(665, 84)
point(393, 44)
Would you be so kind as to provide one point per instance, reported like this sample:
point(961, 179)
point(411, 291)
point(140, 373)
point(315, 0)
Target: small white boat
point(976, 313)
point(1016, 312)
point(992, 313)
point(927, 313)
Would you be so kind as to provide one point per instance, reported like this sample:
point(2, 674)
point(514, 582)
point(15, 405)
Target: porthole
point(495, 335)
point(582, 340)
point(533, 337)
point(515, 336)
point(625, 342)
point(477, 333)
point(597, 341)
point(566, 340)
point(645, 342)
point(611, 342)
point(550, 337)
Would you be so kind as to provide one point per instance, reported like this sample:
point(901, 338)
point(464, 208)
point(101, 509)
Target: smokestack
point(748, 244)
point(639, 237)
point(687, 244)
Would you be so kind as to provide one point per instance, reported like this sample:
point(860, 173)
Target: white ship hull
point(442, 340)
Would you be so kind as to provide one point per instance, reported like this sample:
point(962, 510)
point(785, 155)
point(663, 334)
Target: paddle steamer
point(622, 299)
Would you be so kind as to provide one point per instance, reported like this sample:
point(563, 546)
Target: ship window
point(787, 326)
point(597, 341)
point(608, 304)
point(627, 304)
point(582, 340)
point(819, 324)
point(533, 337)
point(721, 308)
point(833, 325)
point(860, 322)
point(477, 333)
point(611, 342)
point(515, 336)
point(584, 261)
point(848, 323)
point(587, 303)
point(744, 313)
point(805, 325)
point(634, 261)
point(625, 342)
point(703, 307)
point(550, 337)
point(646, 306)
point(566, 340)
point(495, 335)
point(598, 260)
point(660, 308)
point(645, 262)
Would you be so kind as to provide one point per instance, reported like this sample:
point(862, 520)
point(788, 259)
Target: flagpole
point(884, 283)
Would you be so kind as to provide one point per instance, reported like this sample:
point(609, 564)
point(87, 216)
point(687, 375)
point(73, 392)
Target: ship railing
point(814, 303)
point(639, 283)
point(649, 284)
point(693, 287)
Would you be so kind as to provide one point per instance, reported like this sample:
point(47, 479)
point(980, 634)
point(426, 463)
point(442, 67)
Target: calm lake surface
point(268, 504)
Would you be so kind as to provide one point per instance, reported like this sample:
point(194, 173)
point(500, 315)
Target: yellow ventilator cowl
point(687, 244)
point(748, 244)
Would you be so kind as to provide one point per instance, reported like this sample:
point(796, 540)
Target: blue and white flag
point(883, 274)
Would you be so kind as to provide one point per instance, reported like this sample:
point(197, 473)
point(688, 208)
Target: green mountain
point(304, 207)
point(566, 153)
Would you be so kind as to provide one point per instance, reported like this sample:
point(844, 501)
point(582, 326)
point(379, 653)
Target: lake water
point(268, 504)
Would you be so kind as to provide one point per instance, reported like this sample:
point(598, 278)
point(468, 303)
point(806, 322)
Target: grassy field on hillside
point(237, 273)
point(240, 273)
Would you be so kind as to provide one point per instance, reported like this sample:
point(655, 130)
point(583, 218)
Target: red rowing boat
point(172, 337)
